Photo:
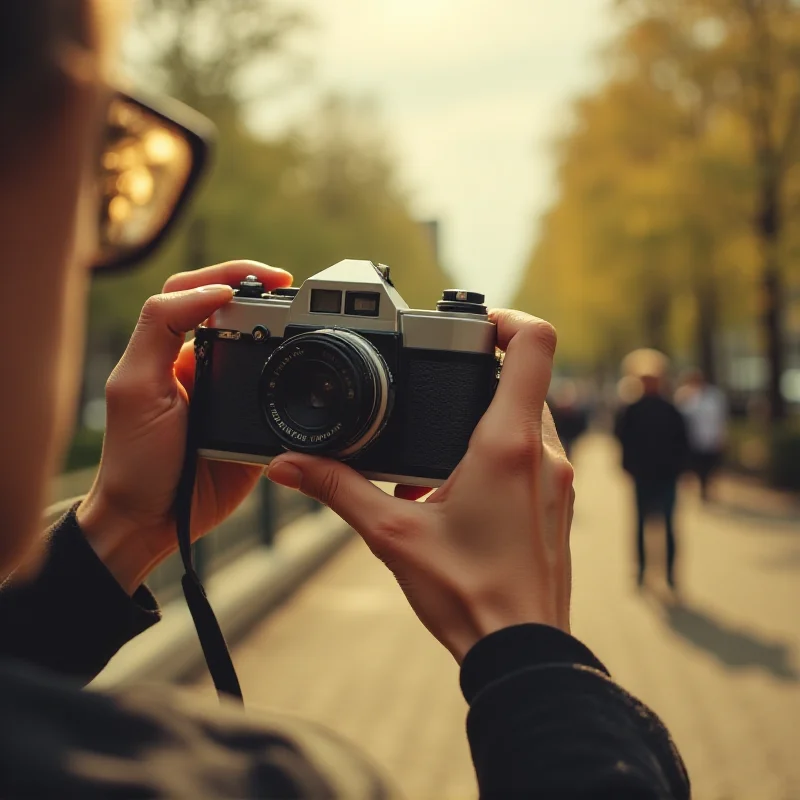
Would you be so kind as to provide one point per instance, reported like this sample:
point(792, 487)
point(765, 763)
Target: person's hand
point(127, 515)
point(490, 548)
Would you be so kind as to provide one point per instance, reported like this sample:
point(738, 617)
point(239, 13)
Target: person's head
point(54, 60)
point(89, 177)
point(694, 378)
point(649, 367)
point(651, 384)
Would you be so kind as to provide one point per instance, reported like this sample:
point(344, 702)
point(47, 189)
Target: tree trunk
point(704, 289)
point(768, 231)
point(769, 156)
point(706, 327)
point(656, 321)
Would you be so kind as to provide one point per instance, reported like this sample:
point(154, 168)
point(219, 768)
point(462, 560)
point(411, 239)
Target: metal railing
point(256, 523)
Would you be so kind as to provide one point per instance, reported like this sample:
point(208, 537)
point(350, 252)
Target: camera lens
point(312, 396)
point(326, 391)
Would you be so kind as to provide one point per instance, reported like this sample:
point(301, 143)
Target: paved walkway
point(722, 668)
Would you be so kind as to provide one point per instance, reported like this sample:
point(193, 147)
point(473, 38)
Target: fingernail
point(285, 474)
point(215, 287)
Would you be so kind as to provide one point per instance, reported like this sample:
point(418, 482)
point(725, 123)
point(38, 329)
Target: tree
point(659, 173)
point(302, 200)
point(212, 53)
point(744, 55)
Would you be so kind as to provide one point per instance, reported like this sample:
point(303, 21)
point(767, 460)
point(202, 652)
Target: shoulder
point(674, 411)
point(56, 740)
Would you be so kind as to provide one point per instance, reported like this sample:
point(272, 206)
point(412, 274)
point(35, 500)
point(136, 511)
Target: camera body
point(341, 367)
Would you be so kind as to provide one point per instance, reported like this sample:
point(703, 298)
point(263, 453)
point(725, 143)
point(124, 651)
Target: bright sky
point(471, 92)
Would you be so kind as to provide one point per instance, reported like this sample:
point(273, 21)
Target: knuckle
point(172, 281)
point(522, 449)
point(127, 389)
point(481, 438)
point(329, 487)
point(550, 334)
point(544, 336)
point(113, 389)
point(395, 528)
point(117, 390)
point(565, 472)
point(152, 308)
point(536, 335)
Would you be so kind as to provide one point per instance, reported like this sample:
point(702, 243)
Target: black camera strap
point(215, 649)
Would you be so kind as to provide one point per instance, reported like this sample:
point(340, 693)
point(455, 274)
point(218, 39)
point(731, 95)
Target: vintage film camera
point(341, 367)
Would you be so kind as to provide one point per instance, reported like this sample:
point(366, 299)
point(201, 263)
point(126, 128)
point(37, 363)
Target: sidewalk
point(722, 668)
point(750, 498)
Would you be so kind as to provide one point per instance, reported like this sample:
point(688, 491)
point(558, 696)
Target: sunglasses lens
point(145, 166)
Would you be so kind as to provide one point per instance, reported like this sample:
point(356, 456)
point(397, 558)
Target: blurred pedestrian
point(655, 451)
point(705, 409)
point(569, 415)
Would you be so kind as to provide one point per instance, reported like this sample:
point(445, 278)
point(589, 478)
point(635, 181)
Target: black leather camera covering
point(446, 395)
point(439, 398)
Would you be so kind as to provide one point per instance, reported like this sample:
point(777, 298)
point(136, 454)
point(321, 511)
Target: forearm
point(72, 616)
point(546, 720)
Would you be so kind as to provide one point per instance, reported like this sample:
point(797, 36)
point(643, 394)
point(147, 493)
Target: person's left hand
point(127, 515)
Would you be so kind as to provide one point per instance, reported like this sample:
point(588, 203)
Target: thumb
point(160, 332)
point(358, 502)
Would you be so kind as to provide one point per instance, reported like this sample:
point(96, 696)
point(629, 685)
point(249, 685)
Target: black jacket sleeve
point(546, 720)
point(72, 616)
point(683, 456)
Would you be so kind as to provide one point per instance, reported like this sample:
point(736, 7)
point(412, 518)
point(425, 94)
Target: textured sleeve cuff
point(546, 720)
point(72, 616)
point(518, 647)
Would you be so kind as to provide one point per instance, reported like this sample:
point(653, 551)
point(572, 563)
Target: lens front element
point(312, 395)
point(326, 391)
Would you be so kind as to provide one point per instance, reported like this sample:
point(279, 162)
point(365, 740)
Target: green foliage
point(85, 450)
point(212, 52)
point(302, 200)
point(298, 202)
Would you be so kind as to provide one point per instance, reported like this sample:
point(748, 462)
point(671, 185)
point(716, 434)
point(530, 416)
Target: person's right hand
point(490, 548)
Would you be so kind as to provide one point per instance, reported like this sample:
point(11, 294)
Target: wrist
point(482, 624)
point(518, 647)
point(120, 541)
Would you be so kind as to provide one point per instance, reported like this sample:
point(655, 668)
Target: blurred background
point(627, 169)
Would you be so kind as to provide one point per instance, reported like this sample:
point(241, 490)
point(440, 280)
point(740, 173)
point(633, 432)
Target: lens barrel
point(327, 391)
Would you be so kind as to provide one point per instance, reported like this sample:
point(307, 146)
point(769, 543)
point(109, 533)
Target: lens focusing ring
point(355, 377)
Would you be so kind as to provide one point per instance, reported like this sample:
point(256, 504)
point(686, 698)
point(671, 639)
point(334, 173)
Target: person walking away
point(655, 451)
point(705, 410)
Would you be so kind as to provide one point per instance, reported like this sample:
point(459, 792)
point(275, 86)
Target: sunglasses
point(153, 155)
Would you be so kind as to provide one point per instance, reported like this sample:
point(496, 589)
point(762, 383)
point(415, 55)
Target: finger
point(405, 492)
point(550, 434)
point(185, 366)
point(230, 272)
point(159, 335)
point(529, 344)
point(358, 502)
